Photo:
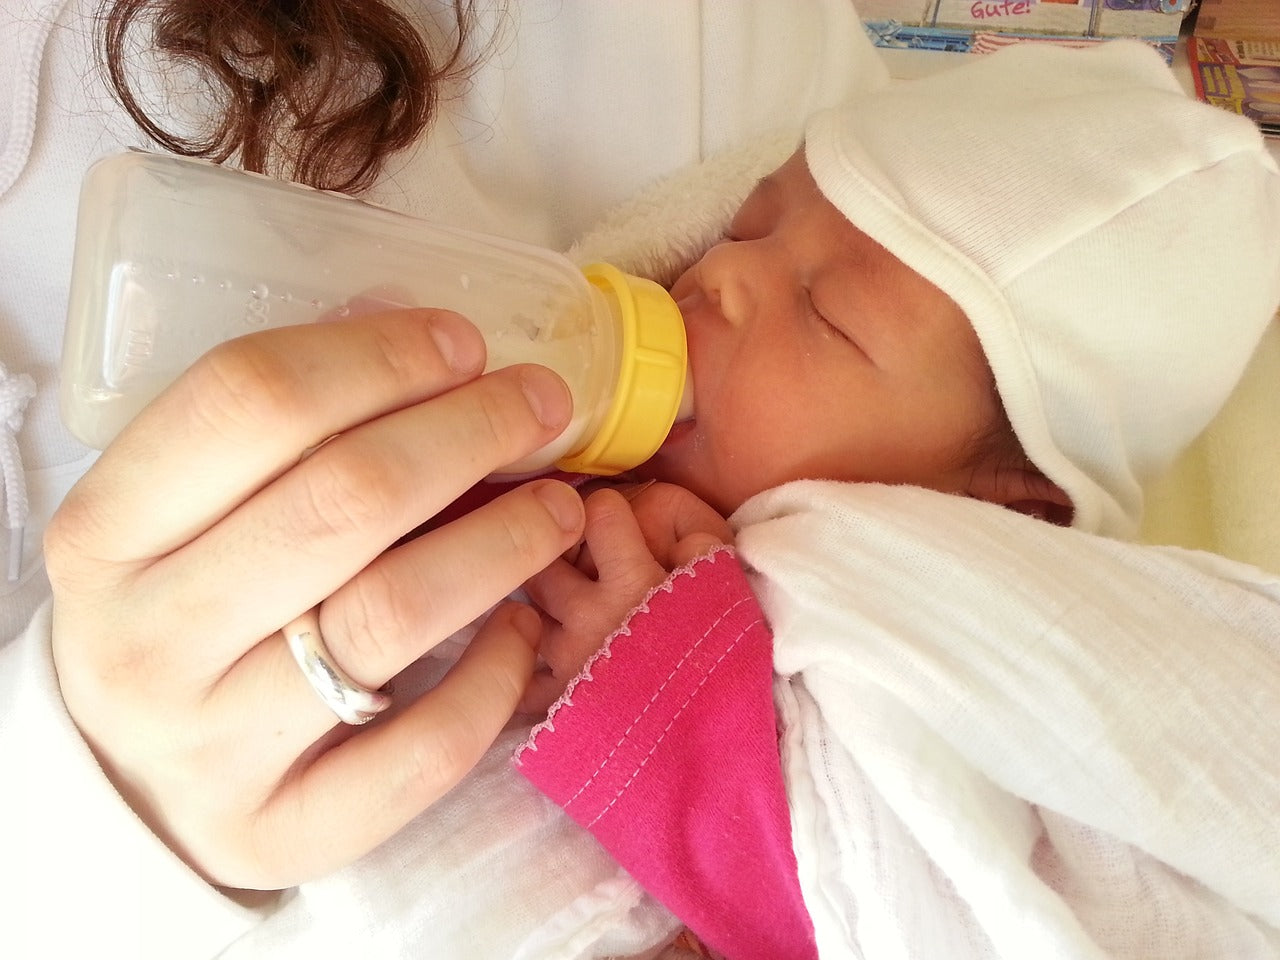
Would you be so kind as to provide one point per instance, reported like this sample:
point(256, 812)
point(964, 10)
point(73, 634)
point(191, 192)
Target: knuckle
point(343, 496)
point(406, 351)
point(605, 499)
point(376, 621)
point(562, 652)
point(436, 763)
point(98, 685)
point(524, 535)
point(64, 537)
point(491, 423)
point(117, 692)
point(501, 419)
point(74, 540)
point(666, 498)
point(131, 667)
point(239, 389)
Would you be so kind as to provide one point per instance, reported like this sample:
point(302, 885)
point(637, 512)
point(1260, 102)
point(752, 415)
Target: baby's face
point(815, 354)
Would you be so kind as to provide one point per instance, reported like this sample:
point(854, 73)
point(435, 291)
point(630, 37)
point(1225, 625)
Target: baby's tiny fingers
point(613, 534)
point(557, 589)
point(667, 514)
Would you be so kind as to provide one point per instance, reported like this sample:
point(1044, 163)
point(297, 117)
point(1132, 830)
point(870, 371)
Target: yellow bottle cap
point(651, 377)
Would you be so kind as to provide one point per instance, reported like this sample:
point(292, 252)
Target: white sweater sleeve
point(67, 835)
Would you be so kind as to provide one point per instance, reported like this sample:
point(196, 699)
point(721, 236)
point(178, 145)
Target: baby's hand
point(634, 538)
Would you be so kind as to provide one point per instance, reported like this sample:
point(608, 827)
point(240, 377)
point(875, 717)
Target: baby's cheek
point(759, 442)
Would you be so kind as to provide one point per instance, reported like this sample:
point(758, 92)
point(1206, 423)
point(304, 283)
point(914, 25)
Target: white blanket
point(1006, 739)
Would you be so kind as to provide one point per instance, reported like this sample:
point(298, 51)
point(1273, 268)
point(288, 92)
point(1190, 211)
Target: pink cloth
point(665, 748)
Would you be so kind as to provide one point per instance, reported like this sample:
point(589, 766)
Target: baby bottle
point(174, 256)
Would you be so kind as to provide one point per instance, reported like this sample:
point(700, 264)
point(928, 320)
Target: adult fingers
point(314, 528)
point(243, 414)
point(402, 605)
point(449, 576)
point(355, 795)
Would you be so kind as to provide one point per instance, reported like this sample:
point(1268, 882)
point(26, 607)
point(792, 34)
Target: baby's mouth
point(687, 410)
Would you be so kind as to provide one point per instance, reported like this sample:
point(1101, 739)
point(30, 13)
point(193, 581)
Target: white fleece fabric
point(1006, 739)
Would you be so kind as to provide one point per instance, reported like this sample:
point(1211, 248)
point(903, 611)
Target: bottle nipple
point(686, 409)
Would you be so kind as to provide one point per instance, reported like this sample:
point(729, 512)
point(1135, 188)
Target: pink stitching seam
point(671, 723)
point(606, 652)
point(653, 699)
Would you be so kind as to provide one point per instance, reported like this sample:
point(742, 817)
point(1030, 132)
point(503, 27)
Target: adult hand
point(635, 537)
point(202, 531)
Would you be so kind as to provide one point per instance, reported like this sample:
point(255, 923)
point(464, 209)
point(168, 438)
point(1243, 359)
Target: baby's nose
point(734, 274)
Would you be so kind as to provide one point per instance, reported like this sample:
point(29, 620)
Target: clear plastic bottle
point(174, 256)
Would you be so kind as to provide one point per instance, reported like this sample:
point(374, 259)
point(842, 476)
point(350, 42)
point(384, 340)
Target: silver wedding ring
point(351, 702)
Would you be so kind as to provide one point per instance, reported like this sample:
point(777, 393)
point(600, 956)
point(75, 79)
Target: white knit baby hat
point(1115, 244)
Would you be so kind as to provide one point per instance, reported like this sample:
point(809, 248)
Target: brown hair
point(318, 91)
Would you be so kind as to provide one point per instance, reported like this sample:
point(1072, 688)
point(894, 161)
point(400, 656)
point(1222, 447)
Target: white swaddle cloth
point(1007, 739)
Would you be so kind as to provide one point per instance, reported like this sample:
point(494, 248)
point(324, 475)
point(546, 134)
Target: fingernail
point(459, 343)
point(547, 395)
point(563, 503)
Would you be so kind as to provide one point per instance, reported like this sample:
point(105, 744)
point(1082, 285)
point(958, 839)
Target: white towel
point(1007, 739)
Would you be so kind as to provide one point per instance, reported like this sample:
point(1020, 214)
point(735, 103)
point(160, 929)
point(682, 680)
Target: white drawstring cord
point(21, 53)
point(16, 391)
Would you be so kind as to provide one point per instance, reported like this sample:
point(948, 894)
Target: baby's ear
point(1023, 489)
